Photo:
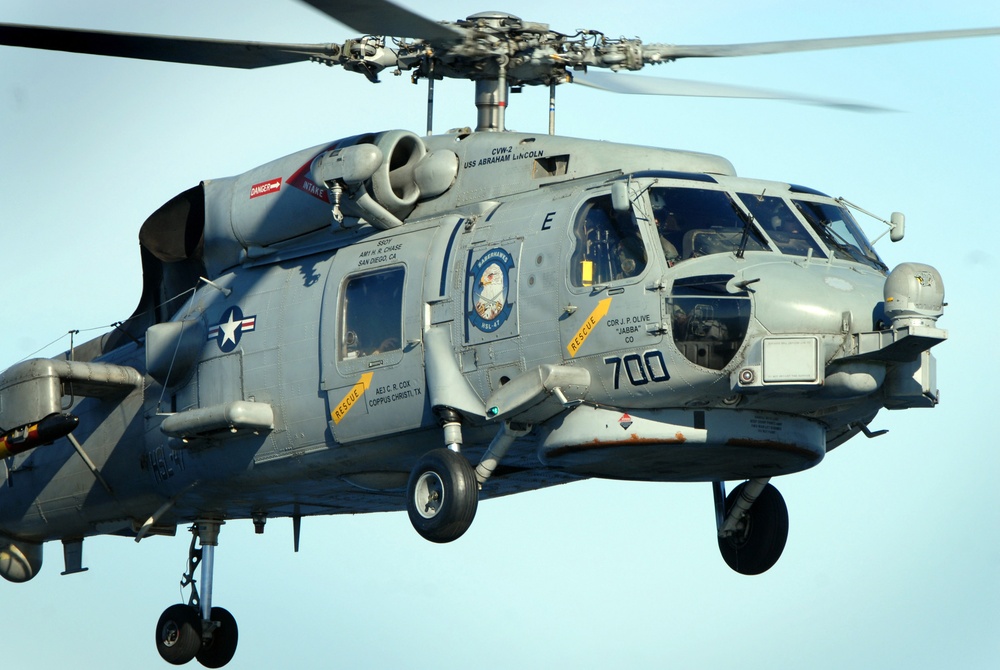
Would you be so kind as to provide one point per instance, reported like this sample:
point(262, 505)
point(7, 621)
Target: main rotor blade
point(670, 52)
point(381, 17)
point(639, 85)
point(191, 50)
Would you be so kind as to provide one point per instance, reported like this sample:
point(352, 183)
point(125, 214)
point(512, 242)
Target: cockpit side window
point(781, 225)
point(839, 231)
point(372, 313)
point(708, 322)
point(697, 222)
point(608, 245)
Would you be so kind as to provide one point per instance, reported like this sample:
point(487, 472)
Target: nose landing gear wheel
point(178, 634)
point(757, 544)
point(442, 495)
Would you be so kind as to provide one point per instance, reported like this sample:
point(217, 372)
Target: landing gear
point(443, 491)
point(198, 630)
point(178, 634)
point(442, 495)
point(753, 526)
point(219, 649)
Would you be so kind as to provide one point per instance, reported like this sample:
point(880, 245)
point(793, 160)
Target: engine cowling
point(223, 221)
point(394, 185)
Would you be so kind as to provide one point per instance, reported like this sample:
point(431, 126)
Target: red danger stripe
point(265, 187)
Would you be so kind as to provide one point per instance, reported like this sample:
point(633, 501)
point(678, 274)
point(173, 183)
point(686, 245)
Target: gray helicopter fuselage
point(645, 313)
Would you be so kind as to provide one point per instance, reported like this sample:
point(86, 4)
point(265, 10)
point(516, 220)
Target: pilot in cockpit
point(667, 226)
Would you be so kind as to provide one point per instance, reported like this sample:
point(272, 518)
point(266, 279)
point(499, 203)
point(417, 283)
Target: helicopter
point(484, 302)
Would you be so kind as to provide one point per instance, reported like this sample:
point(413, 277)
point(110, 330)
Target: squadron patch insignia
point(488, 301)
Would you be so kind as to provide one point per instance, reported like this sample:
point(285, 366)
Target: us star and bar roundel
point(229, 331)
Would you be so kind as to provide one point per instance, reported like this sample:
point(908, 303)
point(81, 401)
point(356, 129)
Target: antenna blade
point(381, 17)
point(639, 85)
point(656, 52)
point(190, 50)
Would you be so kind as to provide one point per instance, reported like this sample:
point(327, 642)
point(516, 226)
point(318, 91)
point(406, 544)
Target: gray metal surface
point(278, 407)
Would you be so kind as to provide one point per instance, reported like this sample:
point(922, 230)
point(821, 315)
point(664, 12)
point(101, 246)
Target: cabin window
point(781, 225)
point(372, 313)
point(608, 245)
point(697, 222)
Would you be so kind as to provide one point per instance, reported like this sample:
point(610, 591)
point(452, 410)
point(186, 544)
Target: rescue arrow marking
point(588, 326)
point(352, 396)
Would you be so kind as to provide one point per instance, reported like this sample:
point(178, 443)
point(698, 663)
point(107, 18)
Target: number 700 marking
point(640, 370)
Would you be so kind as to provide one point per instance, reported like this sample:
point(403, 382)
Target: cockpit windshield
point(781, 225)
point(838, 229)
point(696, 222)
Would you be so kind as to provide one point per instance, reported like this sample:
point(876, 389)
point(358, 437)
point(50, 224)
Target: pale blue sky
point(892, 559)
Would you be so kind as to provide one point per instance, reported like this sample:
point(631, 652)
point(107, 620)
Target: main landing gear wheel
point(178, 634)
point(179, 638)
point(198, 630)
point(757, 544)
point(442, 495)
point(220, 648)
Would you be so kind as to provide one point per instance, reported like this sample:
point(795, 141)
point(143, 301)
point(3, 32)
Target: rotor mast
point(498, 50)
point(491, 102)
point(492, 92)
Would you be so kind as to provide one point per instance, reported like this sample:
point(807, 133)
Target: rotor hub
point(494, 20)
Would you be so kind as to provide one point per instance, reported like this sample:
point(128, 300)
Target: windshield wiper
point(747, 219)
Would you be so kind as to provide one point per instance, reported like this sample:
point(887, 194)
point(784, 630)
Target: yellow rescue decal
point(352, 396)
point(588, 326)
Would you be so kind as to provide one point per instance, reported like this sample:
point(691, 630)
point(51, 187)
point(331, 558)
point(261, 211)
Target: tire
point(442, 495)
point(220, 648)
point(178, 634)
point(757, 547)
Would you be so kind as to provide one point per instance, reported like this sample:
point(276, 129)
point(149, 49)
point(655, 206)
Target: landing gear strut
point(753, 525)
point(198, 630)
